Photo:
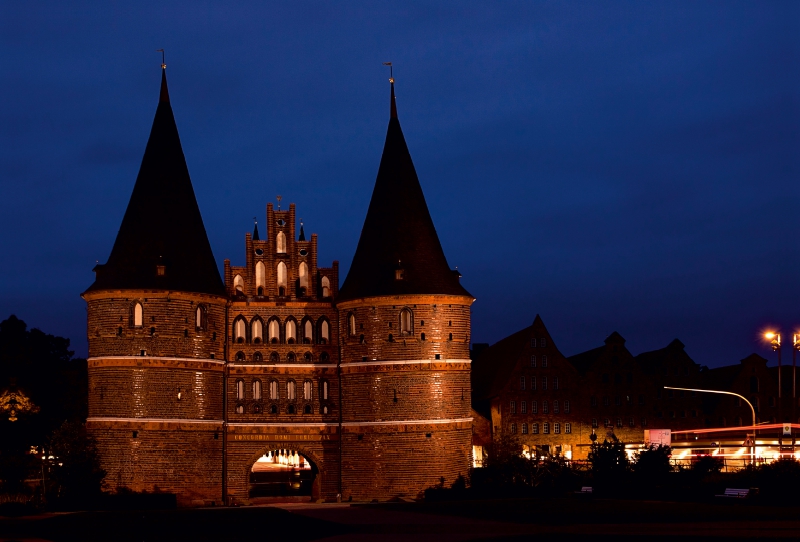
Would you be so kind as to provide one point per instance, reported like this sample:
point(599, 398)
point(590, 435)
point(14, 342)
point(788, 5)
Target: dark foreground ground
point(519, 519)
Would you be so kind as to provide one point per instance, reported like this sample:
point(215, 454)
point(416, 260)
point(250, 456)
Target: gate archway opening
point(284, 472)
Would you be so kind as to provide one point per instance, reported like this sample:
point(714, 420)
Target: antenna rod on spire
point(391, 73)
point(163, 62)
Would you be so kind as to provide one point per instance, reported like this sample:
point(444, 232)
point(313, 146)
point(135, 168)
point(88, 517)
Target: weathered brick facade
point(194, 377)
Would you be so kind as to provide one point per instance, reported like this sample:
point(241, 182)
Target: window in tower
point(257, 390)
point(137, 315)
point(351, 324)
point(239, 330)
point(238, 284)
point(323, 390)
point(280, 243)
point(257, 330)
point(406, 322)
point(302, 275)
point(240, 389)
point(307, 385)
point(274, 331)
point(326, 287)
point(200, 318)
point(261, 277)
point(291, 331)
point(291, 390)
point(308, 331)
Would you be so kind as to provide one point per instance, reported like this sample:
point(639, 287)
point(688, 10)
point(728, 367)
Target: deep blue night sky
point(628, 166)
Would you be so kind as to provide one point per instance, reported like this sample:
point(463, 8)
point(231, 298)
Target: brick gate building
point(198, 382)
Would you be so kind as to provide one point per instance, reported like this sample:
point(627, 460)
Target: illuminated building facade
point(269, 380)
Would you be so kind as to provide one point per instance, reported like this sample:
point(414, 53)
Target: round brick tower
point(404, 325)
point(156, 327)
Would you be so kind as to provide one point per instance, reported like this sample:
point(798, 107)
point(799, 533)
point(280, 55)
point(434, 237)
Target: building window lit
point(535, 429)
point(137, 315)
point(524, 407)
point(524, 428)
point(567, 428)
point(557, 428)
point(546, 428)
point(406, 322)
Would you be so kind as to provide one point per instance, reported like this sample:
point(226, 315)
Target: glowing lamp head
point(769, 335)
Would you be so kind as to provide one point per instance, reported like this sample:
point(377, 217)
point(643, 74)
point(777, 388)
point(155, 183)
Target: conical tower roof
point(162, 243)
point(398, 233)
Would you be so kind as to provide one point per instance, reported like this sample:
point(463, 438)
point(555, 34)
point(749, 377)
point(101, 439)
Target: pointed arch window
point(406, 322)
point(261, 277)
point(200, 318)
point(273, 390)
point(291, 390)
point(307, 386)
point(324, 331)
point(283, 280)
point(291, 331)
point(274, 331)
point(257, 330)
point(323, 390)
point(257, 390)
point(239, 330)
point(238, 284)
point(351, 324)
point(302, 275)
point(280, 243)
point(308, 332)
point(138, 316)
point(240, 389)
point(326, 287)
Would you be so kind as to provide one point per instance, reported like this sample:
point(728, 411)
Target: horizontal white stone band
point(204, 360)
point(404, 362)
point(412, 422)
point(160, 420)
point(283, 365)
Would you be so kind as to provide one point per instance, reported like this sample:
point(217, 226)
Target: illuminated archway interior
point(282, 473)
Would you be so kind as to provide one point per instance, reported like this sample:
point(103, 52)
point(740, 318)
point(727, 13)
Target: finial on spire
point(302, 232)
point(279, 198)
point(255, 230)
point(393, 106)
point(163, 63)
point(164, 97)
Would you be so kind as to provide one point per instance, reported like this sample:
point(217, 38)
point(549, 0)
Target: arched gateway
point(284, 472)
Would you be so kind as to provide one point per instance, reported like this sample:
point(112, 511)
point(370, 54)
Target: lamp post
point(775, 343)
point(753, 410)
point(795, 348)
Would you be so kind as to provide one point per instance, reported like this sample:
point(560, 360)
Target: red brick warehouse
point(272, 380)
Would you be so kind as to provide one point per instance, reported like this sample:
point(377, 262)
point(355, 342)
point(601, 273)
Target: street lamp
point(753, 410)
point(775, 343)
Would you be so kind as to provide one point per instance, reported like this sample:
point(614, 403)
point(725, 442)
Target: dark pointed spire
point(255, 230)
point(398, 228)
point(393, 106)
point(162, 242)
point(164, 97)
point(302, 232)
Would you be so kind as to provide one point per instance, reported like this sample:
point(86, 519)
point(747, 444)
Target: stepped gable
point(162, 225)
point(398, 233)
